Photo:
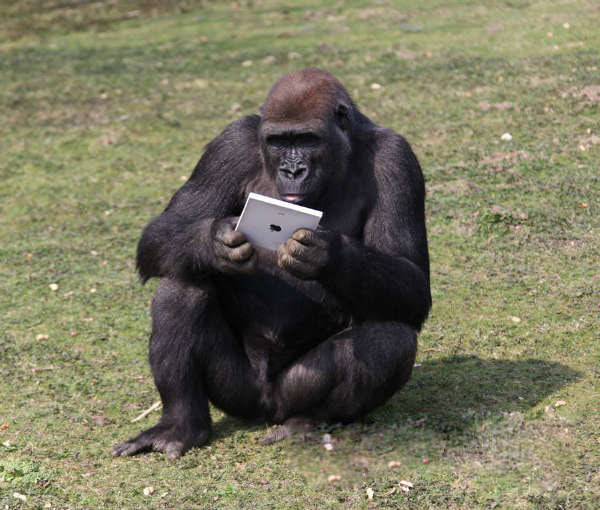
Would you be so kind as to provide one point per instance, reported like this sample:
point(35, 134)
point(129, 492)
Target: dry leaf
point(406, 483)
point(560, 403)
point(394, 463)
point(20, 496)
point(334, 478)
point(42, 336)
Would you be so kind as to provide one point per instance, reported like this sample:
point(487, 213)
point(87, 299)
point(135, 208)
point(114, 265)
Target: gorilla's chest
point(278, 314)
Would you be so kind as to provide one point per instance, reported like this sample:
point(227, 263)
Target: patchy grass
point(105, 106)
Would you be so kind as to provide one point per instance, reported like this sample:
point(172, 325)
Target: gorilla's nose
point(294, 172)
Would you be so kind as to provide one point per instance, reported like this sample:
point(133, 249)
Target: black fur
point(326, 328)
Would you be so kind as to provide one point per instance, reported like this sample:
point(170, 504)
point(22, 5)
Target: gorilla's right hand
point(233, 254)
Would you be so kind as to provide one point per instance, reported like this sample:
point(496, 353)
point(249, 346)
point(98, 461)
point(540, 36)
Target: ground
point(104, 110)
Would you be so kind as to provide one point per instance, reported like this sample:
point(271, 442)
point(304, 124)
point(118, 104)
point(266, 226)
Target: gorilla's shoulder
point(242, 133)
point(236, 147)
point(395, 162)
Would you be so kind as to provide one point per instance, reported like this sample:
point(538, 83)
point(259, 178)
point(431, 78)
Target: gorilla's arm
point(386, 277)
point(179, 242)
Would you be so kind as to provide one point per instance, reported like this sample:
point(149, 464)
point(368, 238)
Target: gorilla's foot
point(173, 441)
point(291, 426)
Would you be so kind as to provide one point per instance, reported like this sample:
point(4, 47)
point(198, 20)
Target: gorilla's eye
point(278, 141)
point(308, 140)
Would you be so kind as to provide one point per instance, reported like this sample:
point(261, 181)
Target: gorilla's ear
point(342, 116)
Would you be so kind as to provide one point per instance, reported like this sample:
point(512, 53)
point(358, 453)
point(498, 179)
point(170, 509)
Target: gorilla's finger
point(241, 253)
point(232, 238)
point(309, 238)
point(310, 254)
point(295, 267)
point(250, 265)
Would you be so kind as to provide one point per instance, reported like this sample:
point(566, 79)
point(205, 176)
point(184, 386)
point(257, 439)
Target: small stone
point(42, 336)
point(507, 137)
point(148, 490)
point(20, 496)
point(53, 286)
point(516, 320)
point(370, 493)
point(566, 25)
point(292, 55)
point(375, 86)
point(327, 438)
point(334, 478)
point(328, 446)
point(560, 403)
point(247, 63)
point(93, 290)
point(394, 464)
point(268, 59)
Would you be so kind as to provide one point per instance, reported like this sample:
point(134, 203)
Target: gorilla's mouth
point(294, 198)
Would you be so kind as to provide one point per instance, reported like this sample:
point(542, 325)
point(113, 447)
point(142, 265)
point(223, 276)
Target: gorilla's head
point(305, 134)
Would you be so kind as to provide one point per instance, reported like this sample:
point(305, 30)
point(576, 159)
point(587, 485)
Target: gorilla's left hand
point(307, 253)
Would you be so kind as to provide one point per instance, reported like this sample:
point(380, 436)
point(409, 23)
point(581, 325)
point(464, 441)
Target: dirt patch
point(496, 161)
point(456, 187)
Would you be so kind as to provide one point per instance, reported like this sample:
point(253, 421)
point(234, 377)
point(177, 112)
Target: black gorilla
point(324, 329)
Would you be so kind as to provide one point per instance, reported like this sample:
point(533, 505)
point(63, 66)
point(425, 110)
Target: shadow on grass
point(456, 392)
point(451, 396)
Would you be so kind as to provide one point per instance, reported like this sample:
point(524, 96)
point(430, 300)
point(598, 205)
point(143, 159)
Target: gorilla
point(324, 329)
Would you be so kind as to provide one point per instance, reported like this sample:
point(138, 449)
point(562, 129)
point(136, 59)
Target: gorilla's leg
point(194, 355)
point(345, 376)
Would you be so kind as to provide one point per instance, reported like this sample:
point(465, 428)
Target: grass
point(105, 107)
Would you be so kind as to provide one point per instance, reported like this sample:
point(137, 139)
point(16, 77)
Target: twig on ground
point(154, 406)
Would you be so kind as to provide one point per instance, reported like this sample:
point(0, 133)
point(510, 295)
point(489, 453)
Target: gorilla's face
point(304, 158)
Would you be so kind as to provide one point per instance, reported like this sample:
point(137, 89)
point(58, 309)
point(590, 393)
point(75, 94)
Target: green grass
point(105, 106)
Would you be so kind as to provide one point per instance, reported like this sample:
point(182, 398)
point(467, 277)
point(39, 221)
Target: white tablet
point(269, 222)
